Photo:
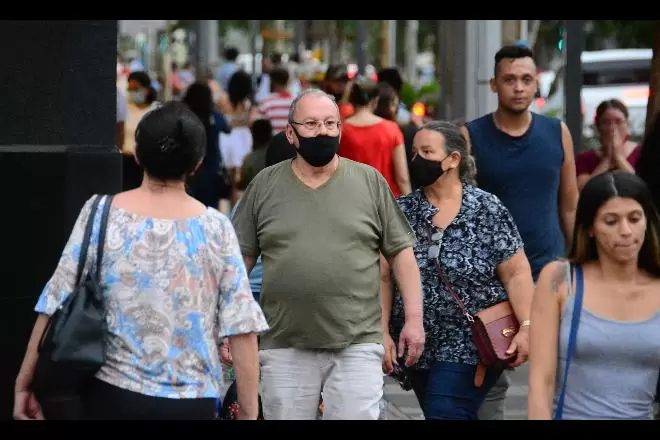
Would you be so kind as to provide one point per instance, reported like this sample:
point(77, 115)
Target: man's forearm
point(409, 281)
point(386, 293)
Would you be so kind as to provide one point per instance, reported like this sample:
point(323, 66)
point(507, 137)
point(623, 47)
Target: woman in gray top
point(614, 368)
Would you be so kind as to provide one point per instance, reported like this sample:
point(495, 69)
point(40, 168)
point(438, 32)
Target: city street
point(402, 405)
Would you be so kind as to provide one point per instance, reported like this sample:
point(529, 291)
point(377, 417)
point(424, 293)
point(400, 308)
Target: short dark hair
point(391, 76)
point(279, 76)
point(199, 97)
point(170, 141)
point(240, 87)
point(262, 133)
point(231, 53)
point(337, 72)
point(513, 51)
point(276, 58)
point(279, 149)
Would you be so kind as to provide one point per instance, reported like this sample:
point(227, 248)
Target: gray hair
point(305, 92)
point(455, 142)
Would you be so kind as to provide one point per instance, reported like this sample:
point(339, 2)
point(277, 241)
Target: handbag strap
point(102, 230)
point(453, 293)
point(87, 235)
point(575, 323)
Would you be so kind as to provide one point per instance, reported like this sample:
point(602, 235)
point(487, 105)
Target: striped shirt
point(275, 108)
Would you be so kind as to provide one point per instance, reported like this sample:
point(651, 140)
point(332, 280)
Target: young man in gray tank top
point(320, 224)
point(527, 161)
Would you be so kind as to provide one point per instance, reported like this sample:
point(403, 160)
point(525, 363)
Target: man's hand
point(412, 341)
point(390, 354)
point(225, 353)
point(520, 345)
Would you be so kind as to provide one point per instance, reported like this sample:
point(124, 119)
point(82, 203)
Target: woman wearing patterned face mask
point(470, 236)
point(141, 99)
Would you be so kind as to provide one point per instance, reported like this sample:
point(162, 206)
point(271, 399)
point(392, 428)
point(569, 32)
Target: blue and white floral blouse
point(173, 289)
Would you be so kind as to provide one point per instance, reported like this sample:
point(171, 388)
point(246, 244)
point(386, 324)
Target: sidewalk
point(402, 405)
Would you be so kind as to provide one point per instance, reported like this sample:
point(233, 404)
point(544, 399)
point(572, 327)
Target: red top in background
point(345, 110)
point(373, 145)
point(587, 161)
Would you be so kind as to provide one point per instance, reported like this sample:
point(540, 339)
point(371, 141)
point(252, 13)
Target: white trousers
point(351, 381)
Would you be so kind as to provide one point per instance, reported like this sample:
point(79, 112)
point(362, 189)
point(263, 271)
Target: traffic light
point(560, 43)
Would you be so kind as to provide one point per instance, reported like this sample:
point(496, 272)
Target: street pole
point(574, 44)
point(280, 26)
point(201, 48)
point(391, 40)
point(442, 71)
point(299, 38)
point(412, 29)
point(213, 44)
point(459, 74)
point(253, 36)
point(361, 46)
point(524, 30)
point(482, 42)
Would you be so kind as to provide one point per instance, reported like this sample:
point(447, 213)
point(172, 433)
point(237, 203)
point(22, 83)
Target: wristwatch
point(525, 323)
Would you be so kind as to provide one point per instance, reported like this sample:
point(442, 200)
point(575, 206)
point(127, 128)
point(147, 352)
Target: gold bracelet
point(525, 323)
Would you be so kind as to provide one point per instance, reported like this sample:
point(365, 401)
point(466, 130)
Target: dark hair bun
point(170, 141)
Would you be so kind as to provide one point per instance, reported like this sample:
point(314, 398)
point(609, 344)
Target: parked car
point(606, 74)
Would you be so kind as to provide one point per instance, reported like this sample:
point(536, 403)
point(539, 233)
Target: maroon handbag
point(493, 330)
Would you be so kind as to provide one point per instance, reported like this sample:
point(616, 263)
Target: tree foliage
point(626, 33)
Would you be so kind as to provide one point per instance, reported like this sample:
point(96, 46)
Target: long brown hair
point(598, 191)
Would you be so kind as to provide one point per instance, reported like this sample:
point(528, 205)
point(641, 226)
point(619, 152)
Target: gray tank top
point(614, 370)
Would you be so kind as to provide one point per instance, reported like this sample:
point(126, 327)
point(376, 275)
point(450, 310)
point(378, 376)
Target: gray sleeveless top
point(614, 370)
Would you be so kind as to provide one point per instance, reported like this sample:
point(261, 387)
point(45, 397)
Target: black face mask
point(319, 150)
point(425, 172)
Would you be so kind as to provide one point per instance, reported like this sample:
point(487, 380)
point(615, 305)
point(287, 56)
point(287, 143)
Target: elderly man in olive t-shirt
point(320, 223)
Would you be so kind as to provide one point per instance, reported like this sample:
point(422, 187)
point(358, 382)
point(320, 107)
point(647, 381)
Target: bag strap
point(575, 323)
point(86, 238)
point(102, 230)
point(453, 293)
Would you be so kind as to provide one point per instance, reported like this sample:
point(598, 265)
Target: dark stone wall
point(57, 131)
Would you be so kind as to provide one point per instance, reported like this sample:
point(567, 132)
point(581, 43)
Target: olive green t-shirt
point(320, 250)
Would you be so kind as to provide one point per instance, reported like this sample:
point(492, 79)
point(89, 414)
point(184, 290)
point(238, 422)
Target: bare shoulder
point(566, 138)
point(554, 278)
point(649, 281)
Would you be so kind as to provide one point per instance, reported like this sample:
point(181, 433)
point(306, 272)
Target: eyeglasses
point(315, 126)
point(434, 250)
